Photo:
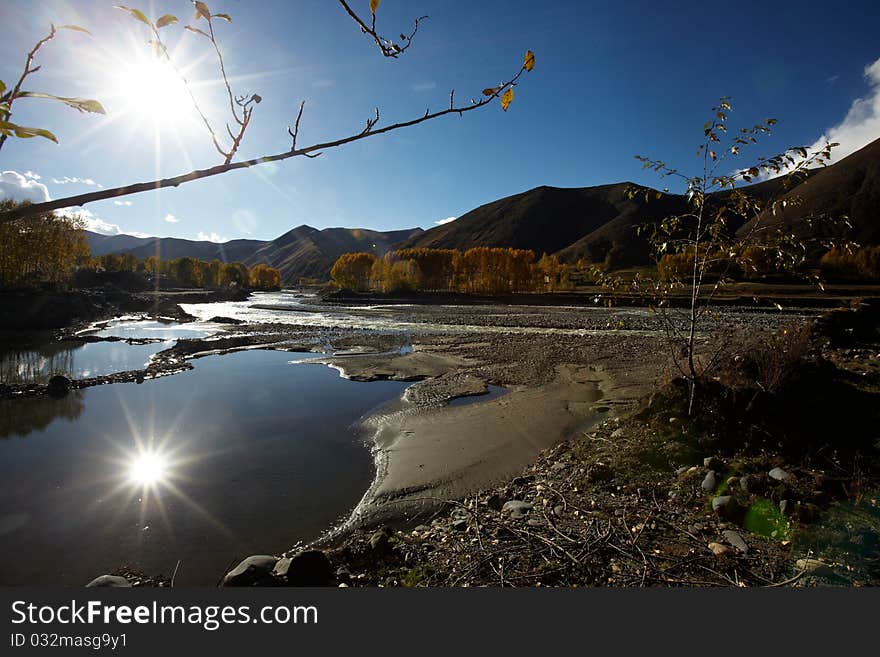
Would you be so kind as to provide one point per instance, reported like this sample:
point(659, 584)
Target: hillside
point(307, 252)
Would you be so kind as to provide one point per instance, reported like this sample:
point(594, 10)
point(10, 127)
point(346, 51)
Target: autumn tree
point(263, 277)
point(353, 271)
point(48, 249)
point(207, 26)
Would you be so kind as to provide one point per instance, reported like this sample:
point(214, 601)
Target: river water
point(247, 453)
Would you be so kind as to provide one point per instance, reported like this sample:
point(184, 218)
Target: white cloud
point(445, 221)
point(66, 180)
point(861, 125)
point(96, 224)
point(20, 188)
point(31, 175)
point(424, 86)
point(210, 237)
point(171, 219)
point(323, 83)
point(126, 203)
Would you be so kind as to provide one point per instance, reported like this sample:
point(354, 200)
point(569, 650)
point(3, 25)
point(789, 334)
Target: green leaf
point(75, 28)
point(80, 104)
point(23, 132)
point(137, 13)
point(225, 17)
point(167, 19)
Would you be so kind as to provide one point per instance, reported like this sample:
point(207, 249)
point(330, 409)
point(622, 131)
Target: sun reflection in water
point(148, 469)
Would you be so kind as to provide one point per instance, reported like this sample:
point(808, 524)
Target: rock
point(516, 508)
point(109, 581)
point(421, 529)
point(725, 506)
point(753, 484)
point(779, 474)
point(306, 568)
point(58, 386)
point(599, 472)
point(735, 540)
point(814, 567)
point(713, 463)
point(559, 466)
point(788, 507)
point(710, 482)
point(379, 541)
point(683, 469)
point(254, 570)
point(534, 522)
point(618, 433)
point(495, 502)
point(460, 524)
point(718, 549)
point(225, 320)
point(558, 510)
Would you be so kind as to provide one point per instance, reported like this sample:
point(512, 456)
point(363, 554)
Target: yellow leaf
point(137, 13)
point(225, 17)
point(203, 11)
point(490, 92)
point(75, 28)
point(374, 5)
point(506, 99)
point(529, 60)
point(167, 19)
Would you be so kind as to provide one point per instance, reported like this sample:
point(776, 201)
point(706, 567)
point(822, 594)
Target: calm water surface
point(247, 453)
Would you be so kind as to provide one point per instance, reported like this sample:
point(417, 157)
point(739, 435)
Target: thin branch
point(387, 47)
point(12, 95)
point(308, 151)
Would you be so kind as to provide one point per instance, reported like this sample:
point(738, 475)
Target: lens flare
point(148, 469)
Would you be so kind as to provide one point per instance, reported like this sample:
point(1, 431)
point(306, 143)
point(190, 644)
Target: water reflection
point(243, 454)
point(75, 360)
point(21, 417)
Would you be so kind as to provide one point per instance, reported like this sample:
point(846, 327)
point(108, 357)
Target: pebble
point(710, 482)
point(109, 581)
point(735, 540)
point(718, 549)
point(713, 463)
point(779, 474)
point(814, 567)
point(516, 508)
point(250, 571)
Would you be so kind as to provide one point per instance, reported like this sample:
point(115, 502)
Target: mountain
point(307, 252)
point(301, 252)
point(589, 222)
point(848, 188)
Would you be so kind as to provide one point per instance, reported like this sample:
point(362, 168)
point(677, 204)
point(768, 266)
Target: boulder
point(58, 386)
point(109, 581)
point(778, 474)
point(254, 571)
point(306, 568)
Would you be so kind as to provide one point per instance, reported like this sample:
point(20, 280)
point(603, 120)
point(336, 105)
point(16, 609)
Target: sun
point(148, 88)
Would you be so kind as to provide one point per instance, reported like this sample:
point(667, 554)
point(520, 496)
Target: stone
point(379, 541)
point(58, 386)
point(753, 484)
point(254, 570)
point(599, 472)
point(725, 506)
point(713, 463)
point(618, 433)
point(109, 581)
point(787, 507)
point(682, 470)
point(710, 482)
point(306, 568)
point(735, 540)
point(814, 567)
point(558, 510)
point(517, 508)
point(495, 502)
point(460, 524)
point(779, 474)
point(718, 549)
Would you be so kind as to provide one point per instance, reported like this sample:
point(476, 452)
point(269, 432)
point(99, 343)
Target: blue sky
point(612, 79)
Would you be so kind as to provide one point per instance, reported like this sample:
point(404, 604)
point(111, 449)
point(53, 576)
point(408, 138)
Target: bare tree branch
point(308, 151)
point(387, 47)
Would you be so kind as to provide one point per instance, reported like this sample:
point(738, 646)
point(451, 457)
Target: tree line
point(484, 270)
point(46, 250)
